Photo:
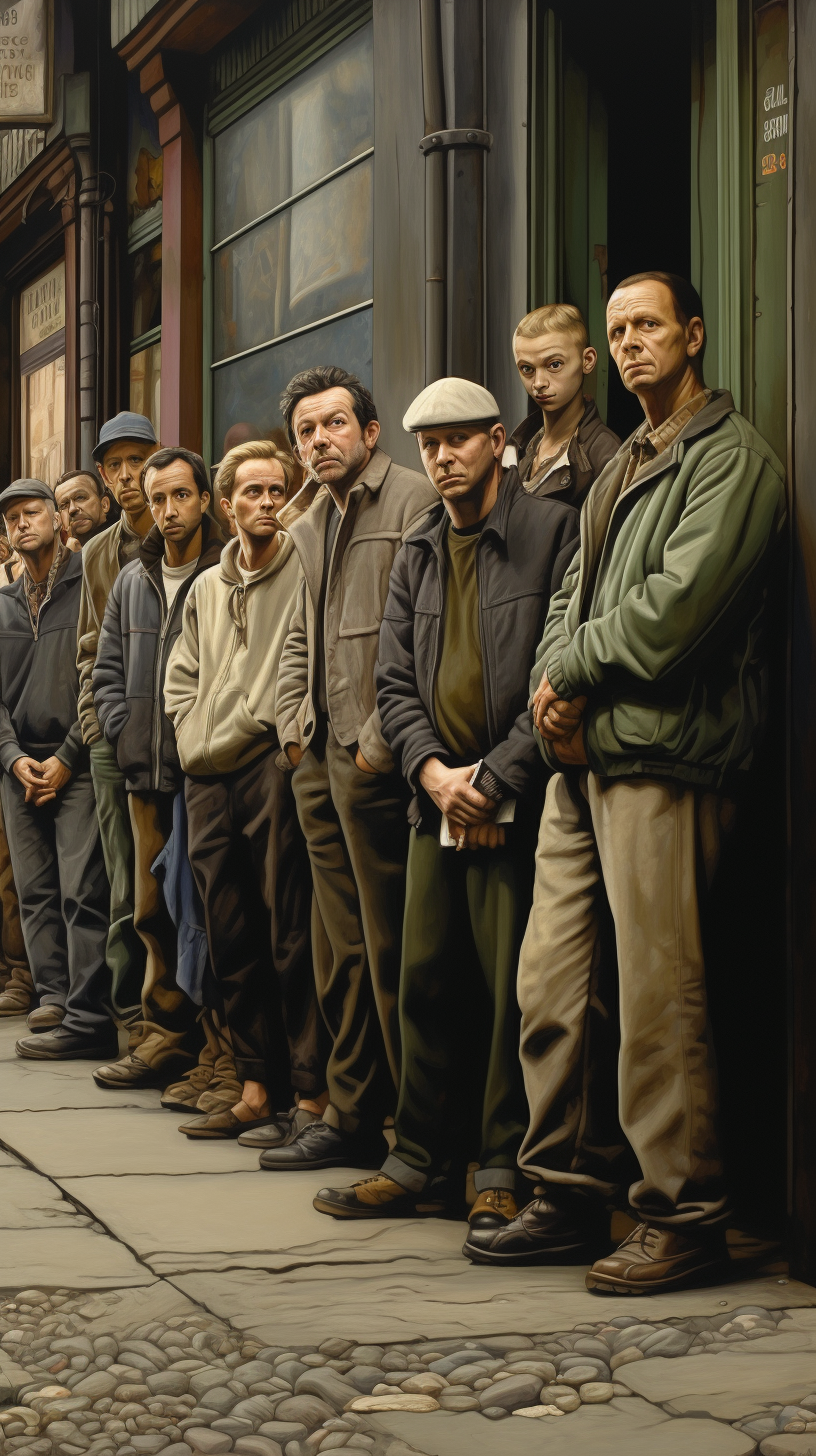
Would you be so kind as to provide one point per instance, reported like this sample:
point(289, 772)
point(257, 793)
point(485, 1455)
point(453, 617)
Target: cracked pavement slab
point(107, 1197)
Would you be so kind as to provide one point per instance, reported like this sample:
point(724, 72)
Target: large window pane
point(43, 402)
point(146, 273)
point(145, 385)
point(247, 392)
point(310, 261)
point(316, 122)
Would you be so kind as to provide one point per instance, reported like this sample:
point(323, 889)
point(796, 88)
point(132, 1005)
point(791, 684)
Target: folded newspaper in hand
point(505, 815)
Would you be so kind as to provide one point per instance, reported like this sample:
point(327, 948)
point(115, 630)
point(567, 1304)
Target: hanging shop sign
point(26, 62)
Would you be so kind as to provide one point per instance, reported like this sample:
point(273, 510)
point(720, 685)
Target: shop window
point(42, 376)
point(144, 199)
point(293, 227)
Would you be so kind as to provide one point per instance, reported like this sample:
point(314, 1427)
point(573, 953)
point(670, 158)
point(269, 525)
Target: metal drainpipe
point(88, 351)
point(433, 100)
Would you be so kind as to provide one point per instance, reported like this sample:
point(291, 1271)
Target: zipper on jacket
point(205, 754)
point(156, 734)
point(488, 682)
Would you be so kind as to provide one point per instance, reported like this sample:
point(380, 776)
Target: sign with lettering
point(42, 308)
point(26, 62)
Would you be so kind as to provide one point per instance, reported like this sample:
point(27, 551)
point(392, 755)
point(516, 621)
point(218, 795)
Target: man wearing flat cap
point(125, 442)
point(468, 597)
point(46, 788)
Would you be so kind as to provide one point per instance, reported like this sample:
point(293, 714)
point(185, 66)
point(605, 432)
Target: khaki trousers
point(168, 1024)
point(652, 845)
point(356, 831)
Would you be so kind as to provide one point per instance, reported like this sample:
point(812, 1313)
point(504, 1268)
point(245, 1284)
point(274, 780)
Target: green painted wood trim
point(704, 207)
point(597, 236)
point(545, 151)
point(146, 341)
point(734, 220)
point(207, 298)
point(312, 40)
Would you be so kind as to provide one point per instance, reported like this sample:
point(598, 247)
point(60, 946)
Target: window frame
point(308, 44)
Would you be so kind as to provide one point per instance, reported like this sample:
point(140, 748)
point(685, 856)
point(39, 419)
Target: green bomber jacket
point(661, 620)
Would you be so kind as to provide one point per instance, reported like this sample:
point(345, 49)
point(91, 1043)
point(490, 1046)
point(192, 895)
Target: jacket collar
point(531, 424)
point(151, 551)
point(230, 571)
point(712, 414)
point(433, 532)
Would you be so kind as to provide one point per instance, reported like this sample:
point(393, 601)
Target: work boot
point(45, 1018)
point(144, 1066)
point(183, 1096)
point(322, 1146)
point(493, 1208)
point(18, 995)
point(224, 1089)
point(652, 1260)
point(378, 1197)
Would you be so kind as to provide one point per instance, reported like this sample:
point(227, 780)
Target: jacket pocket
point(366, 569)
point(636, 724)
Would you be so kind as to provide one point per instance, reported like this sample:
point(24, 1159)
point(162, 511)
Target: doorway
point(635, 196)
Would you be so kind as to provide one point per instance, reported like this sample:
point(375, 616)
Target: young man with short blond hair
point(246, 848)
point(562, 449)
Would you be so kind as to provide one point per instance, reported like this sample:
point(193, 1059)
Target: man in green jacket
point(650, 693)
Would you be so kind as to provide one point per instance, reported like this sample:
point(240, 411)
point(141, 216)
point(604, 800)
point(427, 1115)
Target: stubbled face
point(82, 510)
point(552, 368)
point(646, 338)
point(120, 469)
point(330, 440)
point(258, 494)
point(460, 459)
point(31, 524)
point(175, 503)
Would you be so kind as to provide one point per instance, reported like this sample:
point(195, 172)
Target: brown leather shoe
point(654, 1259)
point(493, 1208)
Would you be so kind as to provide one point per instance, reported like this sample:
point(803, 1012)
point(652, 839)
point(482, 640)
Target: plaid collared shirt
point(647, 443)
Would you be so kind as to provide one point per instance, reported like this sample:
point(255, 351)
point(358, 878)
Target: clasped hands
point(41, 781)
point(469, 813)
point(560, 722)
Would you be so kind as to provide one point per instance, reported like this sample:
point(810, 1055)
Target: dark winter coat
point(39, 681)
point(518, 569)
point(135, 643)
point(590, 449)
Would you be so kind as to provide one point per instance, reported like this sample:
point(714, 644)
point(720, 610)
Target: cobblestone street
point(222, 1313)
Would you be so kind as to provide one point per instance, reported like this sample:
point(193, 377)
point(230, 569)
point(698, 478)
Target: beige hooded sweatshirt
point(219, 692)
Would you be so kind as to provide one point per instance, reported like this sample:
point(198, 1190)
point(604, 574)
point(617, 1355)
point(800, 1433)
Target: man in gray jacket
point(351, 800)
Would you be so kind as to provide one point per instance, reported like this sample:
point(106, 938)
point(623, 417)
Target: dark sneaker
point(62, 1045)
point(378, 1197)
point(542, 1233)
point(493, 1208)
point(286, 1127)
point(322, 1146)
point(655, 1259)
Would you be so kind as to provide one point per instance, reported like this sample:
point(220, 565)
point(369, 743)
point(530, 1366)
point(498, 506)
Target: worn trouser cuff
point(410, 1178)
point(342, 1121)
point(485, 1178)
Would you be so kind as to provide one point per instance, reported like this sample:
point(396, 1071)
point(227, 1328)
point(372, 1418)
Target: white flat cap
point(450, 402)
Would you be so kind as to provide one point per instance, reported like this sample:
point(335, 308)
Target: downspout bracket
point(439, 141)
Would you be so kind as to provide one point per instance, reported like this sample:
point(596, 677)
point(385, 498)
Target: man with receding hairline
point(650, 695)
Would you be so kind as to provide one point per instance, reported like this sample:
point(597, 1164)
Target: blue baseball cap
point(124, 426)
point(26, 489)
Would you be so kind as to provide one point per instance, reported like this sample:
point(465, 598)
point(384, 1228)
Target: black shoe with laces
point(322, 1146)
point(570, 1231)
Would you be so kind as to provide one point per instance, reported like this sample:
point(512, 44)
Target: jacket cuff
point(557, 679)
point(68, 754)
point(9, 754)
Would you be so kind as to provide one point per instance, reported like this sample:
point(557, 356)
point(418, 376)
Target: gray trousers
point(56, 855)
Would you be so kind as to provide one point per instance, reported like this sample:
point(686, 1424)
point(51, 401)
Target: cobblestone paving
point(194, 1383)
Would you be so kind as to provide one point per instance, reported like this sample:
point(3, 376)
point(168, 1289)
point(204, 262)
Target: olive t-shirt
point(459, 697)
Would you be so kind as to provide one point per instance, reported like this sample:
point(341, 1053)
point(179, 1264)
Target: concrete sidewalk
point(101, 1192)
